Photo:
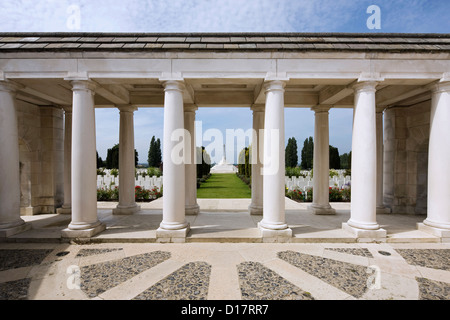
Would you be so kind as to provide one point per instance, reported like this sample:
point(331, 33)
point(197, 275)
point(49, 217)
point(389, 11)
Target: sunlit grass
point(223, 186)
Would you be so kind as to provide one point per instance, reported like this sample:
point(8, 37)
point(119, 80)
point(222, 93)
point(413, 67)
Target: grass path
point(223, 186)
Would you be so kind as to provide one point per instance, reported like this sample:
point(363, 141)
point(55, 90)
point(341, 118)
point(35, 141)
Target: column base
point(126, 210)
point(383, 210)
point(255, 210)
point(82, 233)
point(192, 210)
point(321, 210)
point(64, 210)
point(363, 235)
point(29, 211)
point(178, 235)
point(271, 235)
point(7, 232)
point(444, 234)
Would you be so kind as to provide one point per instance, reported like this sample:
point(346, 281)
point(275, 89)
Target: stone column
point(84, 222)
point(191, 206)
point(67, 206)
point(127, 203)
point(256, 206)
point(380, 159)
point(438, 216)
point(10, 221)
point(362, 220)
point(321, 202)
point(273, 225)
point(173, 226)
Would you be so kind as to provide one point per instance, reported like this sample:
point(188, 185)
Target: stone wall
point(406, 134)
point(41, 157)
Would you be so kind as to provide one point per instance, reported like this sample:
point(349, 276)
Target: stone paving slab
point(221, 271)
point(226, 220)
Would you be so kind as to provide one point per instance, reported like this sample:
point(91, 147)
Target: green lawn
point(223, 186)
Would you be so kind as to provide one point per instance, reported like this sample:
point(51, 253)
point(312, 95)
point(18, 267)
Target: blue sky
point(410, 16)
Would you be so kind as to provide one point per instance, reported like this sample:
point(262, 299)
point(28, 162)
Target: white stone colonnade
point(218, 71)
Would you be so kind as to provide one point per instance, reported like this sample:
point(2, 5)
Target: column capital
point(173, 85)
point(258, 108)
point(190, 108)
point(126, 108)
point(380, 110)
point(67, 109)
point(321, 109)
point(274, 85)
point(441, 86)
point(83, 85)
point(366, 86)
point(10, 86)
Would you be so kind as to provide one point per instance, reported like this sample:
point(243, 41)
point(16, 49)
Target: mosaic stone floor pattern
point(259, 275)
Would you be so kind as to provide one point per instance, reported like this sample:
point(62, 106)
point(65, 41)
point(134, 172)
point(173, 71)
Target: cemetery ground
point(224, 258)
point(225, 186)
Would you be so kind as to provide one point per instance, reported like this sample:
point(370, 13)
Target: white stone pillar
point(273, 225)
point(173, 226)
point(381, 208)
point(191, 206)
point(127, 203)
point(84, 222)
point(321, 193)
point(67, 205)
point(256, 206)
point(438, 215)
point(362, 220)
point(10, 221)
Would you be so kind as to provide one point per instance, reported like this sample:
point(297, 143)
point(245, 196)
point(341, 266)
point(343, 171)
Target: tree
point(158, 153)
point(99, 161)
point(346, 160)
point(335, 160)
point(291, 153)
point(307, 153)
point(203, 162)
point(154, 153)
point(112, 157)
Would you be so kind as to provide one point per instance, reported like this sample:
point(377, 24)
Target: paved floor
point(226, 220)
point(322, 261)
point(225, 271)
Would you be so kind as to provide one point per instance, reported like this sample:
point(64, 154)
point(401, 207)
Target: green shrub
point(333, 173)
point(346, 194)
point(294, 172)
point(335, 194)
point(153, 171)
point(296, 195)
point(115, 172)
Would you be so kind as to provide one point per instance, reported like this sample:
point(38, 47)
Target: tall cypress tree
point(158, 153)
point(335, 160)
point(291, 156)
point(154, 153)
point(112, 157)
point(151, 153)
point(307, 153)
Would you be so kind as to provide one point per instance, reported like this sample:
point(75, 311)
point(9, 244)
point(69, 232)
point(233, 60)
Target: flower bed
point(140, 194)
point(335, 194)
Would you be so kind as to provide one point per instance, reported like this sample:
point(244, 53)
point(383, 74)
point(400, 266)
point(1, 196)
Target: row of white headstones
point(108, 180)
point(149, 182)
point(340, 181)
